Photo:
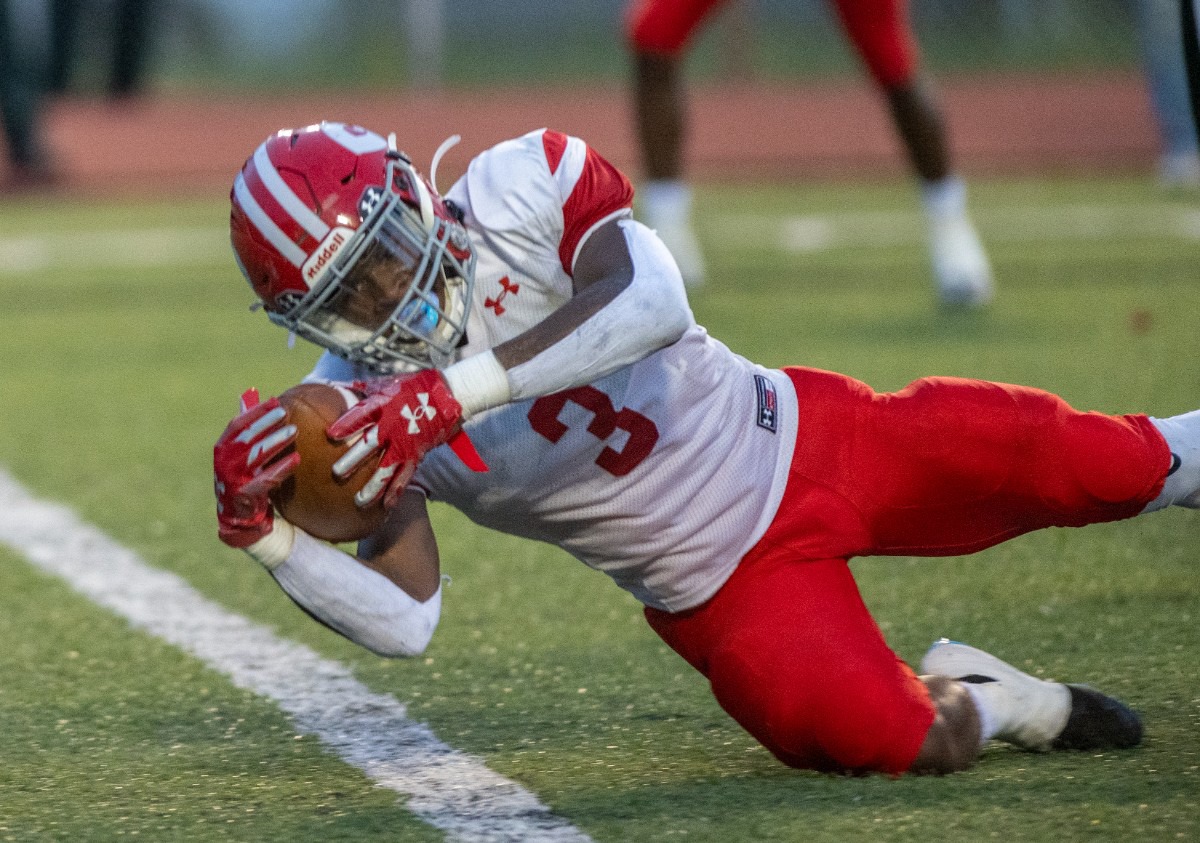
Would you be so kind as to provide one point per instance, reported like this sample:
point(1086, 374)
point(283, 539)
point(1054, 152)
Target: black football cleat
point(1097, 721)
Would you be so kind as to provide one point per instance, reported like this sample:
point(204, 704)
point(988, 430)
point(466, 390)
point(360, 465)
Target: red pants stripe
point(945, 466)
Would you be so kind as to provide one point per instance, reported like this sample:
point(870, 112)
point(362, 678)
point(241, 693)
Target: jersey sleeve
point(548, 190)
point(592, 190)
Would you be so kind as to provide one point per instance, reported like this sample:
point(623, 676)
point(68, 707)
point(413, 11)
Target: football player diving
point(526, 308)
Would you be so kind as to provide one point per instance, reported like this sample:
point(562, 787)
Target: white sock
point(1182, 486)
point(666, 202)
point(1027, 719)
point(946, 197)
point(987, 716)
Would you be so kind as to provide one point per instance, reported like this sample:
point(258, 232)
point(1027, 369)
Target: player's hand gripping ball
point(400, 419)
point(314, 498)
point(253, 455)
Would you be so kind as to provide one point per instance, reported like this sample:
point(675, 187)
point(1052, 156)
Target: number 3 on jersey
point(606, 419)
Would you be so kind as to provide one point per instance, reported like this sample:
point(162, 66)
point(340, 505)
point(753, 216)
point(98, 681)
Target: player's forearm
point(347, 596)
point(609, 325)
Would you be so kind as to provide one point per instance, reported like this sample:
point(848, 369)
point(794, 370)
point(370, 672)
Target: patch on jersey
point(768, 403)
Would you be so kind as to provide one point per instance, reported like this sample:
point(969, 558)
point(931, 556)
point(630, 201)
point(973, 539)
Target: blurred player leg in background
point(658, 32)
point(1160, 34)
point(1191, 54)
point(130, 30)
point(64, 24)
point(880, 32)
point(131, 40)
point(22, 92)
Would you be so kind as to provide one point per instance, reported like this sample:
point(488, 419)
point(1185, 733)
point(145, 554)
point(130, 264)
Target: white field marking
point(153, 247)
point(116, 248)
point(446, 788)
point(802, 233)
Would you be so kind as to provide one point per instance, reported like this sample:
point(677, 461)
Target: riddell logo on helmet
point(333, 243)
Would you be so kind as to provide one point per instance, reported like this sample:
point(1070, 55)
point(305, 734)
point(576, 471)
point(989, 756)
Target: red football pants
point(878, 29)
point(945, 466)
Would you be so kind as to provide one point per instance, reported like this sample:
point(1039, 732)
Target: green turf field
point(127, 340)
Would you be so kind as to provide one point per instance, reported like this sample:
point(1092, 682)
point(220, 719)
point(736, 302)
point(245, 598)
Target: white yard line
point(198, 246)
point(446, 788)
point(117, 248)
point(800, 233)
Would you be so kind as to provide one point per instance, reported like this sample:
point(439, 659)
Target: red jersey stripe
point(601, 190)
point(554, 144)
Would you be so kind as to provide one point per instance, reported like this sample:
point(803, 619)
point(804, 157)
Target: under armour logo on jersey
point(496, 303)
point(414, 417)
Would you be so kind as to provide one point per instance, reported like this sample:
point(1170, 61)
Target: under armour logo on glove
point(404, 417)
point(423, 409)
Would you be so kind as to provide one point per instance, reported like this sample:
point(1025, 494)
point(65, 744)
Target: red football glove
point(405, 416)
point(242, 477)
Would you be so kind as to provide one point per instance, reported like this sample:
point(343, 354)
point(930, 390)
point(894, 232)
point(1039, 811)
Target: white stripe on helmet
point(265, 225)
point(358, 140)
point(287, 199)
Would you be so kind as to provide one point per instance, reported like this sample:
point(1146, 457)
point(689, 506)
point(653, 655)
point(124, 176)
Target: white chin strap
point(427, 218)
point(445, 147)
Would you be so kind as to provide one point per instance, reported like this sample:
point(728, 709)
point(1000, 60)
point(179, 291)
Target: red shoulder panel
point(602, 189)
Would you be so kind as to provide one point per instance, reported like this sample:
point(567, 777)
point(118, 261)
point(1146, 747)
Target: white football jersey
point(662, 474)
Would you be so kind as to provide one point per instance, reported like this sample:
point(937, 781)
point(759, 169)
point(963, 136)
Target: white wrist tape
point(478, 383)
point(273, 548)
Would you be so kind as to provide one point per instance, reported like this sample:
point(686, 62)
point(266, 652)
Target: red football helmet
point(348, 246)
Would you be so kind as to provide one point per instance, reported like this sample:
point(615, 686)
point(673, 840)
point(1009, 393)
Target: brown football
point(312, 498)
